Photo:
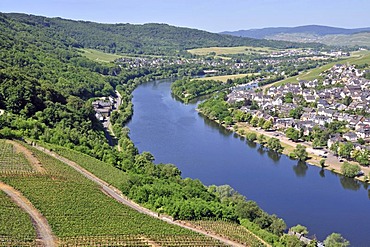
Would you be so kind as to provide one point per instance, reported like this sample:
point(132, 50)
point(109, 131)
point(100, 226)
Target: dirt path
point(118, 196)
point(42, 227)
point(35, 163)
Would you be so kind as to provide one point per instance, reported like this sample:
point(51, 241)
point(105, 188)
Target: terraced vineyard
point(80, 214)
point(15, 225)
point(11, 161)
point(231, 231)
point(137, 240)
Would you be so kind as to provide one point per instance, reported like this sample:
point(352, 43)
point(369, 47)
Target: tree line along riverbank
point(218, 110)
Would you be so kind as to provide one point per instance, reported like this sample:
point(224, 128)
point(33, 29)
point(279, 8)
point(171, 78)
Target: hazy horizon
point(213, 16)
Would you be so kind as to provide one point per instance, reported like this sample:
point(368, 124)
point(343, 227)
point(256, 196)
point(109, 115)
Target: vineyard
point(231, 231)
point(137, 240)
point(15, 225)
point(101, 169)
point(80, 214)
point(12, 162)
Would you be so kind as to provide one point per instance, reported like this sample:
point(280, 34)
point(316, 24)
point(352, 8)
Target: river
point(299, 193)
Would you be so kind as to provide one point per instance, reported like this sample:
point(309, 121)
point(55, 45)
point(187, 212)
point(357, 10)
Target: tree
point(228, 120)
point(300, 152)
point(361, 141)
point(267, 125)
point(361, 156)
point(350, 170)
point(254, 121)
point(261, 139)
point(291, 241)
point(274, 144)
point(301, 230)
point(296, 113)
point(261, 122)
point(334, 148)
point(345, 149)
point(251, 136)
point(313, 243)
point(292, 134)
point(347, 100)
point(336, 240)
point(322, 163)
point(288, 98)
point(277, 226)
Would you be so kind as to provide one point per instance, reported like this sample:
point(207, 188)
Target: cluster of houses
point(272, 59)
point(103, 107)
point(343, 95)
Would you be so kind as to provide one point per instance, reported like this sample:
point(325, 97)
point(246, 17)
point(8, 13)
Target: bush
point(251, 136)
point(350, 170)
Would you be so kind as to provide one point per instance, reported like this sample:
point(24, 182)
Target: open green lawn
point(99, 56)
point(231, 50)
point(359, 57)
point(224, 78)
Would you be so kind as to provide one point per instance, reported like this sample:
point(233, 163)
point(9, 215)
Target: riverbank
point(332, 163)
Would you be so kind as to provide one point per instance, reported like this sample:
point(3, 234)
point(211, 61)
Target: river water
point(175, 133)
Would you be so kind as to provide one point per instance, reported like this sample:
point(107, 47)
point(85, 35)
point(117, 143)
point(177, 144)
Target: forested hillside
point(157, 39)
point(46, 89)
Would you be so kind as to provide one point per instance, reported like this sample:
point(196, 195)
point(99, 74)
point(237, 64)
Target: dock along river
point(175, 133)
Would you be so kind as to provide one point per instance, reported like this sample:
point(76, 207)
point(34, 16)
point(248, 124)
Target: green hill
point(155, 39)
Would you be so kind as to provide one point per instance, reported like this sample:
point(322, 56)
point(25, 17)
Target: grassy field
point(360, 57)
point(231, 50)
point(224, 78)
point(81, 214)
point(99, 56)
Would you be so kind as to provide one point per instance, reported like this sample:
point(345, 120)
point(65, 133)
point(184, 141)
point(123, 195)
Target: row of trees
point(348, 151)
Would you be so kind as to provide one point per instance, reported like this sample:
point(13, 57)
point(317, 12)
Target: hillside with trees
point(154, 39)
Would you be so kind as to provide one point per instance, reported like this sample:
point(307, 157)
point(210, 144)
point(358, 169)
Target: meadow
point(231, 50)
point(99, 56)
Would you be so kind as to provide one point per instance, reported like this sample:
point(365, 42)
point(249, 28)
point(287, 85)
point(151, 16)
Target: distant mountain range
point(309, 33)
point(311, 29)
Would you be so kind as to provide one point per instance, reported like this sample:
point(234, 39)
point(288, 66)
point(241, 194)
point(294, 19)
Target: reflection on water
point(274, 156)
point(261, 150)
point(215, 125)
point(322, 172)
point(350, 183)
point(251, 144)
point(300, 169)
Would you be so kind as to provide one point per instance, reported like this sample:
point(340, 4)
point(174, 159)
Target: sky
point(209, 15)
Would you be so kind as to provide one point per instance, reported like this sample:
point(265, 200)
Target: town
point(332, 112)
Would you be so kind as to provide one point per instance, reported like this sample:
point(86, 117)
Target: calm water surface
point(175, 133)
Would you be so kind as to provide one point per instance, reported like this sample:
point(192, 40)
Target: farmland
point(80, 213)
point(11, 161)
point(15, 225)
point(224, 78)
point(99, 56)
point(231, 50)
point(230, 230)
